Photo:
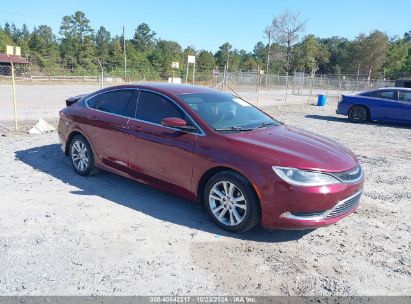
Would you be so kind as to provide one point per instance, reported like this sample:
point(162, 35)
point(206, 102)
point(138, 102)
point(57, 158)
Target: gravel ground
point(37, 100)
point(61, 234)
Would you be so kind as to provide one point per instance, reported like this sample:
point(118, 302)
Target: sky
point(208, 24)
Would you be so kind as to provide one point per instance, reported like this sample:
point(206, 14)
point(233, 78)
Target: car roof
point(173, 88)
point(386, 88)
point(392, 88)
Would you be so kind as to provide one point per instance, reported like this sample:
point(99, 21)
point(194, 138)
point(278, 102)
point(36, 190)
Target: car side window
point(386, 94)
point(405, 96)
point(152, 107)
point(118, 102)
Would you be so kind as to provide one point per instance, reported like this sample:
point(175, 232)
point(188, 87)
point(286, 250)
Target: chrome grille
point(349, 176)
point(345, 206)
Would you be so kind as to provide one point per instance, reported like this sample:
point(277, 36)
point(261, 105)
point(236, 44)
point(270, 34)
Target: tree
point(76, 46)
point(116, 58)
point(397, 61)
point(7, 29)
point(260, 52)
point(340, 50)
point(223, 55)
point(370, 52)
point(103, 44)
point(43, 47)
point(286, 29)
point(205, 60)
point(4, 40)
point(144, 38)
point(248, 62)
point(164, 54)
point(310, 54)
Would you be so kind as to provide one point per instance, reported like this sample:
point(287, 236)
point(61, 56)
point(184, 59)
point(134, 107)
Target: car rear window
point(405, 96)
point(115, 102)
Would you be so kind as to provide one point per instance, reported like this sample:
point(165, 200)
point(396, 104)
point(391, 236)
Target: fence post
point(286, 87)
point(14, 95)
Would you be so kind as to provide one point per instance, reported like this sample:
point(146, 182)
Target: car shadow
point(328, 118)
point(346, 120)
point(137, 196)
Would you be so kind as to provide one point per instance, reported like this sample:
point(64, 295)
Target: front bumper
point(327, 217)
point(292, 207)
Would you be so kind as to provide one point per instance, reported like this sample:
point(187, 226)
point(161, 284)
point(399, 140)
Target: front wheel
point(231, 202)
point(81, 154)
point(357, 114)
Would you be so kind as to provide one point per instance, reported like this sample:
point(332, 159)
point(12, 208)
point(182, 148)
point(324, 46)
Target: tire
point(357, 114)
point(235, 212)
point(81, 156)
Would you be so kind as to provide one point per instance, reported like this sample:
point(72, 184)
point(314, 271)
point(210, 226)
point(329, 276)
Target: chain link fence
point(41, 93)
point(301, 83)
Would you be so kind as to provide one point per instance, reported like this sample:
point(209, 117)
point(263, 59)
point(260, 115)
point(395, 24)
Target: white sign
point(175, 65)
point(174, 79)
point(191, 59)
point(13, 50)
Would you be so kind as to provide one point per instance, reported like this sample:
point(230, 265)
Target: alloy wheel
point(80, 156)
point(227, 203)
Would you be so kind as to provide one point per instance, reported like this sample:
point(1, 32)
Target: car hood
point(292, 147)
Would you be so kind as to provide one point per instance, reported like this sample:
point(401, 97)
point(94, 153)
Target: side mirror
point(175, 122)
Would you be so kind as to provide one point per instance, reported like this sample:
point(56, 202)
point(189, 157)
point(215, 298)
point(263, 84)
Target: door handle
point(92, 117)
point(135, 128)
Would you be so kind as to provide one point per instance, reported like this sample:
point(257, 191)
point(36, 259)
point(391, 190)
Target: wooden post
point(14, 96)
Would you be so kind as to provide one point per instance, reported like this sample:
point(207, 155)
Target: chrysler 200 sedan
point(214, 149)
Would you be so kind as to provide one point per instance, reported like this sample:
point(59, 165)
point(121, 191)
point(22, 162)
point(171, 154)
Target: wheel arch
point(70, 138)
point(367, 109)
point(215, 170)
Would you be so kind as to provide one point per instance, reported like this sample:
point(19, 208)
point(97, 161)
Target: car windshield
point(225, 112)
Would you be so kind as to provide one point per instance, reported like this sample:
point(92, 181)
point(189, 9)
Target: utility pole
point(102, 73)
point(228, 57)
point(125, 56)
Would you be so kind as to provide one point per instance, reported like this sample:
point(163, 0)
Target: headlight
point(299, 177)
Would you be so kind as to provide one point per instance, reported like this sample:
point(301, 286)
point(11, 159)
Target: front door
point(158, 154)
point(383, 106)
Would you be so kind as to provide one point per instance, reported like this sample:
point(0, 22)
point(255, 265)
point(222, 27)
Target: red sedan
point(215, 149)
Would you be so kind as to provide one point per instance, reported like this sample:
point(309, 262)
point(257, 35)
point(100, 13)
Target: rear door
point(107, 119)
point(159, 154)
point(403, 111)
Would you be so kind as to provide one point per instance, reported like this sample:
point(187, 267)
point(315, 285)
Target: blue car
point(386, 104)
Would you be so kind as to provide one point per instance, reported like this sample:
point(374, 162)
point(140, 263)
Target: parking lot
point(62, 234)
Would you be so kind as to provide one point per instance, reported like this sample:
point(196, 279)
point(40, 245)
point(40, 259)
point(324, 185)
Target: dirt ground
point(62, 234)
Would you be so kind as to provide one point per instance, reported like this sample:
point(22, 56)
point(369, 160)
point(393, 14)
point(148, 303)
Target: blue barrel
point(322, 99)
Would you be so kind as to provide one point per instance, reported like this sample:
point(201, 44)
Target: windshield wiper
point(265, 124)
point(234, 128)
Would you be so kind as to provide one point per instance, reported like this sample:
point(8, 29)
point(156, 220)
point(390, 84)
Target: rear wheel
point(357, 114)
point(81, 154)
point(231, 202)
